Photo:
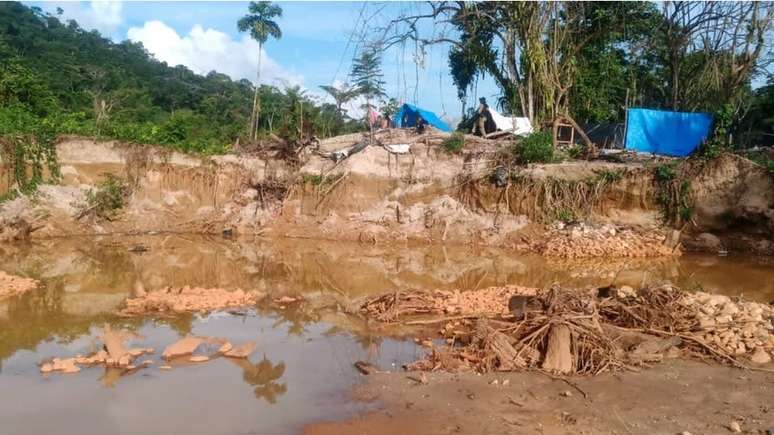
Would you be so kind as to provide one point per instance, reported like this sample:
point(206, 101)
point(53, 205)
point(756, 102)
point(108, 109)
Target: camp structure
point(409, 115)
point(519, 126)
point(675, 134)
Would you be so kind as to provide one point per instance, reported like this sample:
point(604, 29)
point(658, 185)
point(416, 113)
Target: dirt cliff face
point(426, 195)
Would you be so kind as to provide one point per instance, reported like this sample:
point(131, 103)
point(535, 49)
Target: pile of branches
point(271, 190)
point(561, 331)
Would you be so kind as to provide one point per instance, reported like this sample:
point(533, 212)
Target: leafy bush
point(454, 143)
point(665, 172)
point(536, 148)
point(108, 199)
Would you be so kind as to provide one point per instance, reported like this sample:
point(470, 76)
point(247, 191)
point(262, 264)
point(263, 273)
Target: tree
point(261, 25)
point(367, 75)
point(341, 95)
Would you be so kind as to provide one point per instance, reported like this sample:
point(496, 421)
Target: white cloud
point(102, 15)
point(204, 50)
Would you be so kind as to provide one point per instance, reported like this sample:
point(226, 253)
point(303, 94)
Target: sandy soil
point(11, 285)
point(671, 398)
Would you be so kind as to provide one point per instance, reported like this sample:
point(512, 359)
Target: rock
point(734, 427)
point(131, 367)
point(626, 291)
point(225, 347)
point(199, 358)
point(706, 323)
point(114, 342)
point(124, 361)
point(66, 365)
point(286, 300)
point(46, 368)
point(242, 351)
point(729, 308)
point(147, 362)
point(182, 347)
point(135, 352)
point(706, 242)
point(165, 367)
point(760, 356)
point(567, 393)
point(723, 319)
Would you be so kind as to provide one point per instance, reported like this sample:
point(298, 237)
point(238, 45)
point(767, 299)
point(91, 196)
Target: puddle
point(302, 369)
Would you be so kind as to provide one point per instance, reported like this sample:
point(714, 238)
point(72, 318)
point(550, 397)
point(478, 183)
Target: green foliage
point(56, 78)
point(565, 215)
point(367, 74)
point(674, 192)
point(454, 143)
point(320, 180)
point(719, 140)
point(763, 160)
point(260, 21)
point(665, 172)
point(609, 175)
point(536, 148)
point(109, 197)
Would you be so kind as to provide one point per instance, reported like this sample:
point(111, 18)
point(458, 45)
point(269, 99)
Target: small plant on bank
point(609, 175)
point(535, 148)
point(108, 199)
point(320, 180)
point(674, 193)
point(454, 143)
point(565, 215)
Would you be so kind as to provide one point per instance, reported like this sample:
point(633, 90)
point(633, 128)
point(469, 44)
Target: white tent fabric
point(519, 126)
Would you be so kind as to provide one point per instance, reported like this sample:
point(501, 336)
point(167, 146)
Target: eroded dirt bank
point(425, 195)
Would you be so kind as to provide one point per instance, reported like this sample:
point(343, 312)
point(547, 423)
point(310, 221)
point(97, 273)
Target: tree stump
point(559, 350)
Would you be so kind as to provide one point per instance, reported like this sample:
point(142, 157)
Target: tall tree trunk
point(256, 99)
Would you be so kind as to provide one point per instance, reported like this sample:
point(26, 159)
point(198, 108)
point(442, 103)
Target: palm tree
point(261, 25)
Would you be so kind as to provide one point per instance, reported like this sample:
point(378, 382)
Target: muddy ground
point(671, 398)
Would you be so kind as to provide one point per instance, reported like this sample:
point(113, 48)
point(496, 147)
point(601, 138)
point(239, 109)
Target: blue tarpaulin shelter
point(408, 115)
point(675, 134)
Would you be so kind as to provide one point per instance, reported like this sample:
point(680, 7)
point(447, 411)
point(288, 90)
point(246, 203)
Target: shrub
point(536, 148)
point(454, 143)
point(108, 198)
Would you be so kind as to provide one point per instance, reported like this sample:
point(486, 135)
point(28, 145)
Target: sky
point(317, 46)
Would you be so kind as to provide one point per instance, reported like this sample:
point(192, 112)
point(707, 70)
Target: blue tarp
point(663, 132)
point(408, 115)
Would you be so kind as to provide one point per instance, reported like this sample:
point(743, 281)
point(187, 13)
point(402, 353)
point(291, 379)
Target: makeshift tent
point(606, 136)
point(408, 115)
point(663, 132)
point(519, 126)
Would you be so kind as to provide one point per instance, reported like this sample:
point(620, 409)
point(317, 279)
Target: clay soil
point(674, 397)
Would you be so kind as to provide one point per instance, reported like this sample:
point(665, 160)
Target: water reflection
point(264, 377)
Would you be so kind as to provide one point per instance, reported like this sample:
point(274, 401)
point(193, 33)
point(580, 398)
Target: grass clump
point(535, 148)
point(609, 175)
point(454, 143)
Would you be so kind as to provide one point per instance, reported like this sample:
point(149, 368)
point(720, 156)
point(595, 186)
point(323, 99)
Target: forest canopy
point(74, 81)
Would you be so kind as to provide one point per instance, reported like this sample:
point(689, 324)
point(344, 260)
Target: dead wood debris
point(578, 332)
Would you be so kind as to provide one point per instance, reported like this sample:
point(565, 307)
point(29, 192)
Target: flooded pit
point(302, 370)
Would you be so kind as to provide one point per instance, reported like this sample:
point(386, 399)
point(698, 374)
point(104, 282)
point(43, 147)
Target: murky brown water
point(302, 370)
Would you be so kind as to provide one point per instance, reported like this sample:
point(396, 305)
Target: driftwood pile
point(561, 331)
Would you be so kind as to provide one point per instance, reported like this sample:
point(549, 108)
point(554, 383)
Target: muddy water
point(302, 370)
